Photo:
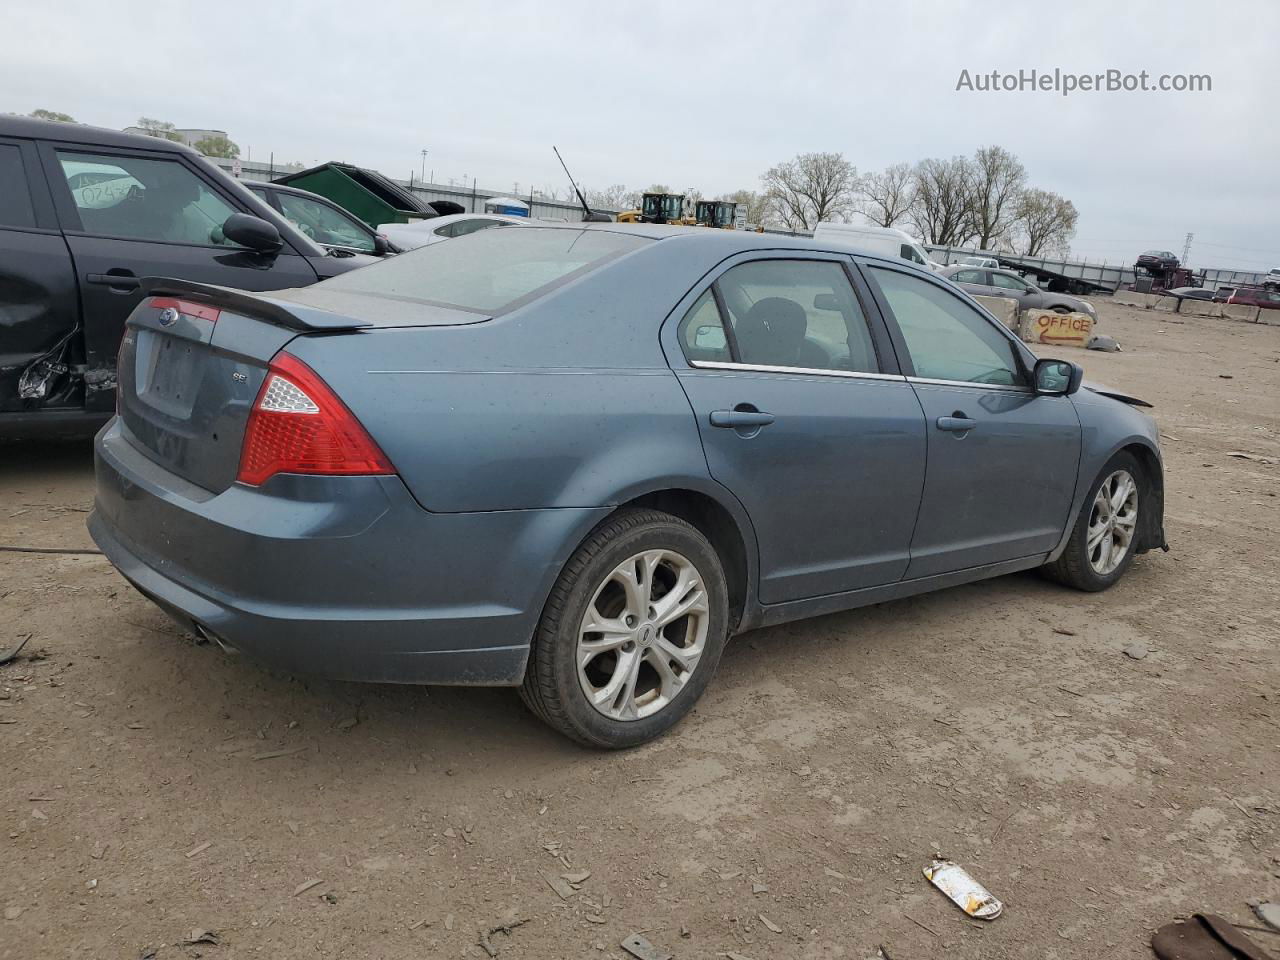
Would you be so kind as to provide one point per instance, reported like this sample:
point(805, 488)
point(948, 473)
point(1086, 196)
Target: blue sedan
point(577, 459)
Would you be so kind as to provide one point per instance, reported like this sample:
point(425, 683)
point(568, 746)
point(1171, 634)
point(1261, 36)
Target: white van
point(883, 240)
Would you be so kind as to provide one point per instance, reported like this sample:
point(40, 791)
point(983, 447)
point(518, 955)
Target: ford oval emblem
point(168, 317)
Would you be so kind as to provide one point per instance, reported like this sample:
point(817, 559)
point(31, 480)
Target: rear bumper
point(345, 577)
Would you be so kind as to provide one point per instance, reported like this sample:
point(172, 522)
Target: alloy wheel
point(642, 635)
point(1113, 521)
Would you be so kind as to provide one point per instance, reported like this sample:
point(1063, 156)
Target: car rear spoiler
point(294, 316)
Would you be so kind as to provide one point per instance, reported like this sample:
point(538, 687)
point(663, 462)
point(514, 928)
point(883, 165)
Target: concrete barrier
point(1201, 308)
point(1240, 311)
point(1164, 304)
point(1004, 308)
point(1056, 329)
point(1128, 298)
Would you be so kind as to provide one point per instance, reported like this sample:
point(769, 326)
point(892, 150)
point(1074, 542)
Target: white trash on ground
point(965, 892)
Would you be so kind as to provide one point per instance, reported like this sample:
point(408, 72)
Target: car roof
point(281, 188)
point(83, 133)
point(431, 223)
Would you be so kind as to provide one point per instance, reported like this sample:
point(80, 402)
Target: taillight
point(298, 425)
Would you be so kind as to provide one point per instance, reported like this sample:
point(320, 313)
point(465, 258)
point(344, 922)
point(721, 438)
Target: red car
point(1256, 297)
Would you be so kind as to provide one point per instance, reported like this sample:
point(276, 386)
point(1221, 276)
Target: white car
point(410, 236)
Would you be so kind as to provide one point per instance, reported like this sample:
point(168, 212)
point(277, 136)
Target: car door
point(806, 419)
point(976, 281)
point(39, 309)
point(1006, 285)
point(129, 214)
point(1002, 459)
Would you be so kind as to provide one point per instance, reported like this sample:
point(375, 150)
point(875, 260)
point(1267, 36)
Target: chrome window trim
point(801, 371)
point(1007, 388)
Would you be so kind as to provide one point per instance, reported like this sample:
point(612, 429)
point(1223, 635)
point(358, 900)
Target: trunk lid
point(191, 362)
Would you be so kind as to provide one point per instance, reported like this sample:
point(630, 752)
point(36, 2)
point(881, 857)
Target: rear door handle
point(121, 281)
point(737, 419)
point(956, 424)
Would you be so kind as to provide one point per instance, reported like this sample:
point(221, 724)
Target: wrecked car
point(577, 459)
point(85, 214)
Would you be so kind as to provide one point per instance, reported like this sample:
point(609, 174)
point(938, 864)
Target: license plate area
point(168, 372)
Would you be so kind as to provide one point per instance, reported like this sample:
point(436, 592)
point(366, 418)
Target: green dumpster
point(366, 193)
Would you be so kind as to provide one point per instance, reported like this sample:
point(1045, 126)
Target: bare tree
point(1044, 222)
point(997, 183)
point(614, 197)
point(887, 197)
point(811, 188)
point(941, 213)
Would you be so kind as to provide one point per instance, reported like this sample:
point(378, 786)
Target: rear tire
point(654, 589)
point(1105, 536)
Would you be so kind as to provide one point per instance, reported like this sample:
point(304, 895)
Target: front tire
point(632, 632)
point(1105, 536)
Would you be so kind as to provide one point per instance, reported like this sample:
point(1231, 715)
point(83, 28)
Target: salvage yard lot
point(151, 788)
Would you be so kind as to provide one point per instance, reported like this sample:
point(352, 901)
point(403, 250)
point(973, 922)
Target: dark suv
point(85, 214)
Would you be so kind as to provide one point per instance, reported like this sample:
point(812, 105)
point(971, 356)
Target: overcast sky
point(704, 95)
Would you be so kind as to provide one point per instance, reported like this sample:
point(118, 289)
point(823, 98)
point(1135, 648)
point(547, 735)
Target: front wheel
point(632, 632)
point(1105, 536)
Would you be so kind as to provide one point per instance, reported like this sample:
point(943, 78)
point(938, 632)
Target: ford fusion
point(577, 459)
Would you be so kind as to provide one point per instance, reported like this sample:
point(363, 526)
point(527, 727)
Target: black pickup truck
point(85, 214)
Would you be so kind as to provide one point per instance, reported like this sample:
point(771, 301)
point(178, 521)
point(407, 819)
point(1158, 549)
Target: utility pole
point(1186, 248)
point(424, 166)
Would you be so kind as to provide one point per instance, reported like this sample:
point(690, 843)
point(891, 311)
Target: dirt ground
point(150, 788)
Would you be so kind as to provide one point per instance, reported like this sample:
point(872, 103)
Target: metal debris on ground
point(1135, 651)
point(201, 936)
point(563, 890)
point(773, 927)
point(198, 849)
point(964, 891)
point(1100, 341)
point(1243, 455)
point(642, 949)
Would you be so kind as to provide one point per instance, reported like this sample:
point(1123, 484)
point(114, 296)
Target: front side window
point(144, 199)
point(947, 339)
point(15, 196)
point(323, 224)
point(908, 252)
point(970, 276)
point(1008, 283)
point(793, 313)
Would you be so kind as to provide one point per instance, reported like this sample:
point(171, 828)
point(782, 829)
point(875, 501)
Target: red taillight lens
point(298, 425)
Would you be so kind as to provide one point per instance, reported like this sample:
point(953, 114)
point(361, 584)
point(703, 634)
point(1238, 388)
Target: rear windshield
point(488, 271)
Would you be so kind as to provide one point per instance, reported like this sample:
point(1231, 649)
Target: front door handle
point(121, 281)
point(956, 424)
point(737, 419)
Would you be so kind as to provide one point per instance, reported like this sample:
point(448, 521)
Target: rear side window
point(15, 195)
point(491, 270)
point(947, 339)
point(783, 313)
point(144, 199)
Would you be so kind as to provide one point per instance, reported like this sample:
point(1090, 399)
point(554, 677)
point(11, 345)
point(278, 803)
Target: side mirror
point(1057, 378)
point(381, 246)
point(252, 232)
